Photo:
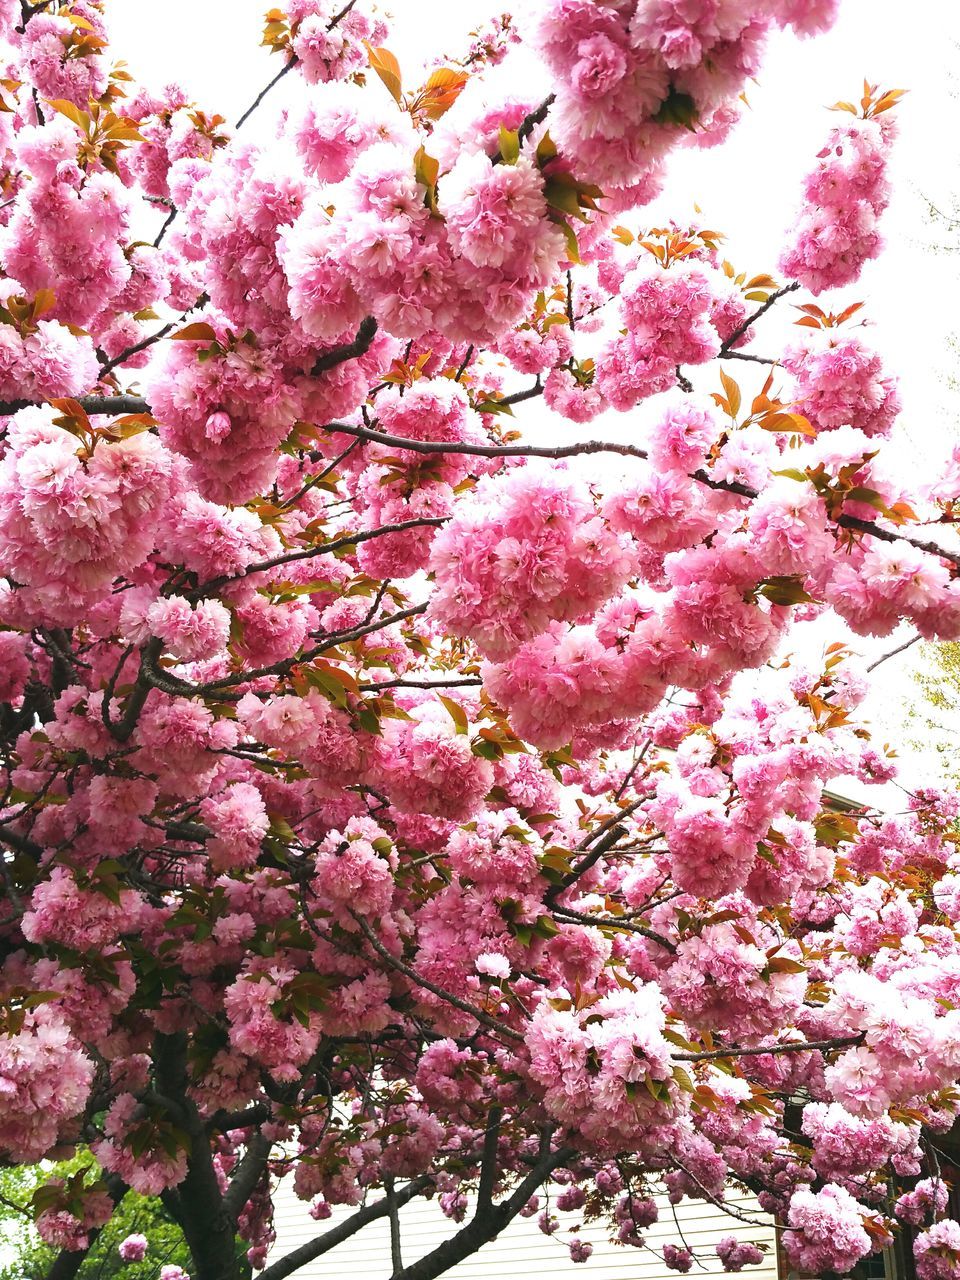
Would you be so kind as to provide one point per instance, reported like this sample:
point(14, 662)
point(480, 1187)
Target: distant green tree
point(24, 1256)
point(935, 715)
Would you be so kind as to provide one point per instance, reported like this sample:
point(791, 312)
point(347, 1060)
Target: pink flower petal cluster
point(841, 382)
point(521, 552)
point(837, 231)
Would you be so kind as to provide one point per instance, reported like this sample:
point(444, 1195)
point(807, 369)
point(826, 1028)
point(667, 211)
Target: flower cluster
point(837, 231)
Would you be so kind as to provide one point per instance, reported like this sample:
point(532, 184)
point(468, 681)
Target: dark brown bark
point(486, 1224)
point(315, 1248)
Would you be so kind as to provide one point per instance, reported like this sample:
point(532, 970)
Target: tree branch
point(488, 1165)
point(529, 124)
point(284, 70)
point(347, 350)
point(248, 1174)
point(751, 320)
point(317, 1247)
point(323, 548)
point(396, 1256)
point(144, 343)
point(90, 404)
point(737, 1051)
point(447, 996)
point(893, 652)
point(485, 1225)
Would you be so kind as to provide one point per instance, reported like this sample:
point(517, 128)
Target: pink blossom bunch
point(173, 129)
point(927, 1199)
point(841, 382)
point(428, 767)
point(591, 1072)
point(837, 231)
point(65, 1229)
point(523, 552)
point(133, 1248)
point(573, 398)
point(736, 1254)
point(669, 317)
point(325, 51)
point(45, 1078)
point(49, 362)
point(69, 230)
point(632, 76)
point(109, 502)
point(937, 1251)
point(49, 54)
point(826, 1230)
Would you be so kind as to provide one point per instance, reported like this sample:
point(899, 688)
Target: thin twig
point(284, 70)
point(448, 996)
point(737, 1051)
point(751, 320)
point(893, 652)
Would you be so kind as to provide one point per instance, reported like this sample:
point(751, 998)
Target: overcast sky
point(748, 188)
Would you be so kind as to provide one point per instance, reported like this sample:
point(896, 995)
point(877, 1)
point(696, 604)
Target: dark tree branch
point(322, 549)
point(752, 319)
point(907, 644)
point(447, 996)
point(586, 447)
point(529, 124)
point(144, 343)
point(486, 1224)
point(248, 1173)
point(737, 1051)
point(90, 404)
point(149, 655)
point(745, 355)
point(317, 1247)
point(284, 70)
point(518, 397)
point(464, 364)
point(396, 1255)
point(173, 685)
point(347, 350)
point(207, 1226)
point(458, 683)
point(488, 1165)
point(167, 222)
point(590, 859)
point(612, 922)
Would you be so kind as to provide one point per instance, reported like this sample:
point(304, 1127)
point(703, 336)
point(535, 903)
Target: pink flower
point(133, 1248)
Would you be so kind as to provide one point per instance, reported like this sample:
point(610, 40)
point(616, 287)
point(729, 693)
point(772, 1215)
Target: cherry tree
point(404, 802)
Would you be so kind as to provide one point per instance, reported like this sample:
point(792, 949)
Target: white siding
point(522, 1248)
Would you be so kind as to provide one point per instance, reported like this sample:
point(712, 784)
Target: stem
point(436, 990)
point(287, 67)
point(347, 350)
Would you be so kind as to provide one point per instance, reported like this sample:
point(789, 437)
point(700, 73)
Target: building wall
point(522, 1248)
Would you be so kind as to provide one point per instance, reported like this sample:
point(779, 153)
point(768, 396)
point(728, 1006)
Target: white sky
point(748, 188)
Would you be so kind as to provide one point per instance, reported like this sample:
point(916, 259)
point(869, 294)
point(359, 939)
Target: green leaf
point(509, 145)
point(785, 591)
point(494, 406)
point(573, 248)
point(457, 713)
point(562, 196)
point(546, 150)
point(678, 108)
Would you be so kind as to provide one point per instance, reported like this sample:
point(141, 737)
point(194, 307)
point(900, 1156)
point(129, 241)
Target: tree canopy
point(404, 796)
